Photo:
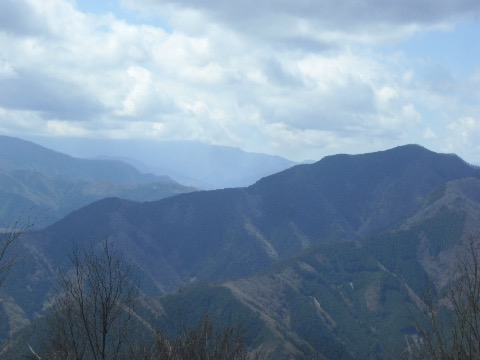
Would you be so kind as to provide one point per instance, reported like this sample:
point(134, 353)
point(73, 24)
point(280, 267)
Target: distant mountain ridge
point(233, 232)
point(188, 162)
point(48, 184)
point(20, 154)
point(371, 191)
point(322, 258)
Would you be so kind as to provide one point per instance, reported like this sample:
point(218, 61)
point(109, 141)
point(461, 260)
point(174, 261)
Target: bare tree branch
point(8, 237)
point(457, 337)
point(92, 313)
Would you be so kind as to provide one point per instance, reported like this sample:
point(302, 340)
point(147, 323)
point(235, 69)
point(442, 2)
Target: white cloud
point(429, 134)
point(6, 70)
point(63, 128)
point(464, 133)
point(320, 23)
point(466, 130)
point(143, 96)
point(294, 78)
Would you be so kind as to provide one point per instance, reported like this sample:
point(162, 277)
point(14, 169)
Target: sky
point(297, 78)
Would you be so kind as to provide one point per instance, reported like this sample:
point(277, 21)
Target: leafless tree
point(205, 342)
point(8, 237)
point(455, 334)
point(202, 342)
point(465, 299)
point(92, 314)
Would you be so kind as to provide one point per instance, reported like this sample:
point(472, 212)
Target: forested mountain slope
point(354, 299)
point(222, 233)
point(336, 252)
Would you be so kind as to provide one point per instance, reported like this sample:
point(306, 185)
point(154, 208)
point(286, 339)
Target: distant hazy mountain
point(18, 154)
point(36, 180)
point(188, 162)
point(325, 258)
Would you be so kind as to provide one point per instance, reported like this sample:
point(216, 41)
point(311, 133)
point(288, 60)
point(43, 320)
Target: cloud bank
point(301, 79)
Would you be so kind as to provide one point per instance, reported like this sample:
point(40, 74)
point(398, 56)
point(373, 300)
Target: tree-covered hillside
point(326, 259)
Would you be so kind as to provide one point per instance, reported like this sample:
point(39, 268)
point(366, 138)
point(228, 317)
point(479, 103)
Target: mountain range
point(42, 183)
point(320, 260)
point(190, 163)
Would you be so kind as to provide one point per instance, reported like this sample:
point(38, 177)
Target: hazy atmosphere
point(299, 79)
